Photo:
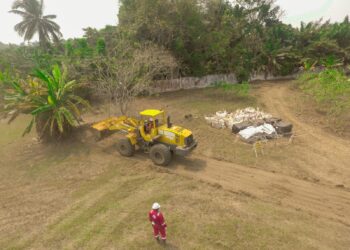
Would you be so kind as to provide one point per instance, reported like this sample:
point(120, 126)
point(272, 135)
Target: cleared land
point(83, 195)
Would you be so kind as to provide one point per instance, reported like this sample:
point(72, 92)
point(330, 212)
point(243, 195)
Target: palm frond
point(30, 31)
point(21, 27)
point(41, 109)
point(47, 81)
point(69, 116)
point(29, 127)
point(74, 109)
point(69, 86)
point(21, 13)
point(34, 22)
point(57, 76)
point(80, 100)
point(50, 17)
point(41, 75)
point(17, 4)
point(13, 116)
point(52, 124)
point(18, 88)
point(59, 120)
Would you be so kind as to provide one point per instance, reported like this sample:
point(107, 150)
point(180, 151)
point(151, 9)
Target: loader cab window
point(152, 122)
point(148, 126)
point(158, 123)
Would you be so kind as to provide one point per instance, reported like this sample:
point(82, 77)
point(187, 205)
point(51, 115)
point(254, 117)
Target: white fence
point(205, 81)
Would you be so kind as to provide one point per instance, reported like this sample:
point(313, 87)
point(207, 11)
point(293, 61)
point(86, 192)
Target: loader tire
point(160, 155)
point(125, 148)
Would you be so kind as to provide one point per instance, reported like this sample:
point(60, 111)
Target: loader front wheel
point(125, 148)
point(160, 155)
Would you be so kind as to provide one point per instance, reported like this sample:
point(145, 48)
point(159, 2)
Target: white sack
point(221, 114)
point(251, 131)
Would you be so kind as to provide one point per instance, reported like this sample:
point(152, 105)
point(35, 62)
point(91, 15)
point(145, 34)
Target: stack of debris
point(250, 124)
point(223, 119)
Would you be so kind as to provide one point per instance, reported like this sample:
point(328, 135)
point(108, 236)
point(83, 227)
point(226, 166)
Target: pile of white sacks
point(255, 133)
point(223, 119)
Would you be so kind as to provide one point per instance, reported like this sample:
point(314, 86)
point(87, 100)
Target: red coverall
point(158, 224)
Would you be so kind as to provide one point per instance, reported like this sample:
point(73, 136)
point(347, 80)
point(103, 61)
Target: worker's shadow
point(170, 246)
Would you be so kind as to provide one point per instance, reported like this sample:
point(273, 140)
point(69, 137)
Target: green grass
point(208, 100)
point(330, 88)
point(239, 90)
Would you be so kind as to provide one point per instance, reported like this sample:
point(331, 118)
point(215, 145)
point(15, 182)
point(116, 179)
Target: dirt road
point(323, 154)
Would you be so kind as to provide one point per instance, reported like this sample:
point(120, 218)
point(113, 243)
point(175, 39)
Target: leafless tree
point(128, 71)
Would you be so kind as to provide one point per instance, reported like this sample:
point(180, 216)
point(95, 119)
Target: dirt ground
point(82, 194)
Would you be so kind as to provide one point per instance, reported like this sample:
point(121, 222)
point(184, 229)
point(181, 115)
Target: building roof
point(151, 112)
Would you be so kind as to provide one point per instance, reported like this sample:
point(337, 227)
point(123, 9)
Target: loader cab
point(151, 119)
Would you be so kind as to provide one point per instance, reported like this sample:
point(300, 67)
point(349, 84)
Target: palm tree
point(50, 99)
point(34, 21)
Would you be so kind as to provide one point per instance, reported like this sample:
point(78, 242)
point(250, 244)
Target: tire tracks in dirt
point(316, 199)
point(324, 155)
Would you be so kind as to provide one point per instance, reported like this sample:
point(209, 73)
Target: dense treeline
point(205, 37)
point(242, 37)
point(157, 39)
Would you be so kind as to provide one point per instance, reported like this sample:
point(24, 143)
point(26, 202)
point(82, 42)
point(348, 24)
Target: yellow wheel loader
point(153, 133)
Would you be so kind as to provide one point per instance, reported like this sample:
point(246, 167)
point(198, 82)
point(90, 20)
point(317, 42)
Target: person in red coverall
point(158, 222)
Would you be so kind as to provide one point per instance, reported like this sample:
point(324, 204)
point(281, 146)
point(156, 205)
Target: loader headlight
point(189, 140)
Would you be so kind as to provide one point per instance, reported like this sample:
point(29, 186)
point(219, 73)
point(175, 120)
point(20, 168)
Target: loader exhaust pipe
point(168, 122)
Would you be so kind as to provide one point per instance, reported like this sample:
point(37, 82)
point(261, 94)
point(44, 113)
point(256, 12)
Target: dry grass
point(60, 201)
point(82, 195)
point(280, 156)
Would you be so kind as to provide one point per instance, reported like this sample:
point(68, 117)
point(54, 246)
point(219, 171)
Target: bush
point(5, 79)
point(242, 74)
point(51, 101)
point(330, 88)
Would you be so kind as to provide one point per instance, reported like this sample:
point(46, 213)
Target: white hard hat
point(155, 206)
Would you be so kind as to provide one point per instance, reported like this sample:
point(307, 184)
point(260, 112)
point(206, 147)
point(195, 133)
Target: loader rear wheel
point(125, 148)
point(160, 155)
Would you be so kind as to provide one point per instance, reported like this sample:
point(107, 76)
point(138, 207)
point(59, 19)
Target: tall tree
point(127, 71)
point(35, 22)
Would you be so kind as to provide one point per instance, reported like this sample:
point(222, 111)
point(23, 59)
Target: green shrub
point(242, 74)
point(330, 88)
point(49, 98)
point(5, 79)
